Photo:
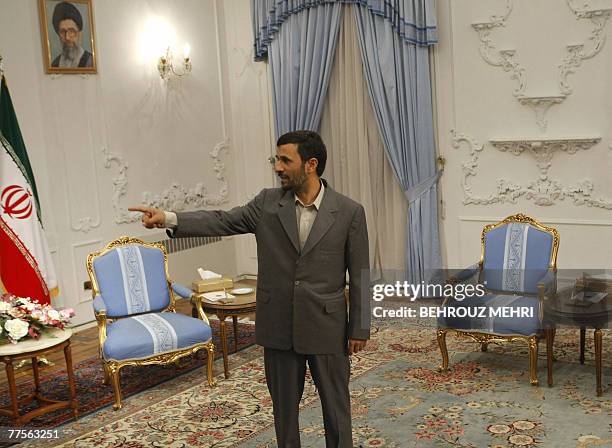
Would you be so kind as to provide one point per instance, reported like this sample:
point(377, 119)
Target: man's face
point(68, 33)
point(289, 167)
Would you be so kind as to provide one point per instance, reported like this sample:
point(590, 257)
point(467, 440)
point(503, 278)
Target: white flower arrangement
point(22, 317)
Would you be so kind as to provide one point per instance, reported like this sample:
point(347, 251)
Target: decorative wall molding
point(86, 223)
point(558, 221)
point(543, 191)
point(504, 58)
point(544, 150)
point(575, 54)
point(120, 182)
point(176, 197)
point(540, 105)
point(220, 74)
point(470, 167)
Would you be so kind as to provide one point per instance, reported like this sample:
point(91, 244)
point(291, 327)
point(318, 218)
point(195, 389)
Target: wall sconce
point(166, 68)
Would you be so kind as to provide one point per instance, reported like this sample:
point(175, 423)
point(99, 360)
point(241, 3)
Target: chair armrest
point(98, 304)
point(196, 300)
point(182, 291)
point(547, 285)
point(100, 313)
point(465, 274)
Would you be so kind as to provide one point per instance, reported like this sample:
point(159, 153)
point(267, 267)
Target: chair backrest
point(516, 253)
point(131, 276)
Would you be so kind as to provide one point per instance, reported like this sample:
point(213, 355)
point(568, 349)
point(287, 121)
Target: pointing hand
point(151, 217)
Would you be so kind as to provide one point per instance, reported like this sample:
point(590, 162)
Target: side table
point(560, 310)
point(32, 348)
point(239, 306)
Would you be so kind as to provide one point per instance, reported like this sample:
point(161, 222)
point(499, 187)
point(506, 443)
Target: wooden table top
point(239, 301)
point(560, 308)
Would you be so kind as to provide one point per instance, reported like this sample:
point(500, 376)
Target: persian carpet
point(398, 400)
point(92, 394)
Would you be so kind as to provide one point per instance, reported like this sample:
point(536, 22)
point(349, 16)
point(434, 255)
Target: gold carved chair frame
point(484, 339)
point(112, 368)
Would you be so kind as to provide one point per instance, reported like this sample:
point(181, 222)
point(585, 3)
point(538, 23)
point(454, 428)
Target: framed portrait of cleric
point(67, 30)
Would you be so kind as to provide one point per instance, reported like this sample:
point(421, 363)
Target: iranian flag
point(26, 267)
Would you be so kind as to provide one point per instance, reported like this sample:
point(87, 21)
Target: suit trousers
point(285, 375)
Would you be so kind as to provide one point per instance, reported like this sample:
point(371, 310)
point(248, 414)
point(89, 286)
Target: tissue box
point(213, 284)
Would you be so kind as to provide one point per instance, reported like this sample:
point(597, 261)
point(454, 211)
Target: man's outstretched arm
point(242, 219)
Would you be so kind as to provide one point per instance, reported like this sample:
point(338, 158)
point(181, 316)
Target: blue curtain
point(397, 74)
point(393, 36)
point(301, 59)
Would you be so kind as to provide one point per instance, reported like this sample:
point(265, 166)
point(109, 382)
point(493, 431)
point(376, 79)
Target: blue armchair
point(518, 270)
point(134, 304)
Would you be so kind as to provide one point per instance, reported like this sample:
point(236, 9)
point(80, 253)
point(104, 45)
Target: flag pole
point(2, 288)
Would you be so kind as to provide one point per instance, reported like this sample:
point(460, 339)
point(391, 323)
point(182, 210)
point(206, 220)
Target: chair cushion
point(132, 280)
point(468, 315)
point(516, 257)
point(150, 334)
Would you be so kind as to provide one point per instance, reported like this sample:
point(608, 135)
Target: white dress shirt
point(306, 215)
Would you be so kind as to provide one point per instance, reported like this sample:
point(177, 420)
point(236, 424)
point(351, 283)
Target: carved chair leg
point(106, 373)
point(484, 346)
point(211, 359)
point(115, 377)
point(533, 360)
point(443, 350)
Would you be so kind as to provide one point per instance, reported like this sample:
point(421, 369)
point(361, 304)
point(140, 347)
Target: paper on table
point(216, 296)
point(595, 297)
point(589, 298)
point(207, 275)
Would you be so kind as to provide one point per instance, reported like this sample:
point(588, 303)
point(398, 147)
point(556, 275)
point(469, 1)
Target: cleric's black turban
point(64, 11)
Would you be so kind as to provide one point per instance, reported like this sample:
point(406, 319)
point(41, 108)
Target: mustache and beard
point(293, 181)
point(72, 52)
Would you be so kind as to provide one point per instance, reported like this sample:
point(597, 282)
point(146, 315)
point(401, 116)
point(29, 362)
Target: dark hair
point(64, 11)
point(310, 146)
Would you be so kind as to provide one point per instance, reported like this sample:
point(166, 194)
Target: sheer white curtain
point(357, 165)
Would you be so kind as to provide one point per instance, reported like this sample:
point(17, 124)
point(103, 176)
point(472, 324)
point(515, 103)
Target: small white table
point(32, 348)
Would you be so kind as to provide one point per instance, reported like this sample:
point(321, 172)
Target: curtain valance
point(413, 20)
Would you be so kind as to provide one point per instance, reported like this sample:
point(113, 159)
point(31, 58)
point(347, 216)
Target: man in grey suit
point(308, 236)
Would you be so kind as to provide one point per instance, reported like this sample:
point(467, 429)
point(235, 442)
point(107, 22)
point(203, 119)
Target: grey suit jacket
point(300, 295)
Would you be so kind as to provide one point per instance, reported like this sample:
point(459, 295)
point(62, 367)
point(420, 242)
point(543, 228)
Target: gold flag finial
point(1, 67)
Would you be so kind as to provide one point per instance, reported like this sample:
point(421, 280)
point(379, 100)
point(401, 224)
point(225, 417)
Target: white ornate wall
point(102, 142)
point(523, 107)
point(251, 112)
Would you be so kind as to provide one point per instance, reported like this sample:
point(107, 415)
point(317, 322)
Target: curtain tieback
point(413, 193)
